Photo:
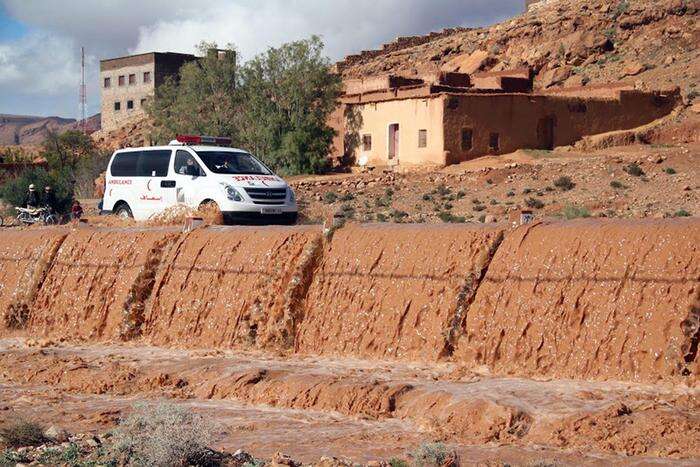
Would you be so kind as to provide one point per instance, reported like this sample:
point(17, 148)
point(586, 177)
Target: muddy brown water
point(574, 337)
point(84, 387)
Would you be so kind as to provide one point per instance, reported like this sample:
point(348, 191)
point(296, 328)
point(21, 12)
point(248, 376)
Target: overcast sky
point(40, 39)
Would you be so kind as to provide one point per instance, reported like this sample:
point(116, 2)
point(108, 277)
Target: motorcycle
point(28, 216)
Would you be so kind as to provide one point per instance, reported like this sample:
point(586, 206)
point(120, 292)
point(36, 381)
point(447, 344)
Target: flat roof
point(147, 53)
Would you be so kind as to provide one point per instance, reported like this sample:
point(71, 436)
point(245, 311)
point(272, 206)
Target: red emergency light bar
point(195, 139)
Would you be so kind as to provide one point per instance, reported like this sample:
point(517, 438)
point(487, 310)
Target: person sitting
point(76, 210)
point(50, 199)
point(31, 200)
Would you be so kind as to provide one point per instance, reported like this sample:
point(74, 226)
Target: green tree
point(204, 100)
point(73, 164)
point(288, 94)
point(65, 151)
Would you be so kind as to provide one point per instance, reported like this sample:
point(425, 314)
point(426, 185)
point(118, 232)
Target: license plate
point(271, 210)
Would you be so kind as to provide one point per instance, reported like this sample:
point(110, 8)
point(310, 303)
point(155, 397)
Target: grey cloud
point(109, 28)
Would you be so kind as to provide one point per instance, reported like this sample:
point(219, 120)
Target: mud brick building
point(451, 117)
point(127, 82)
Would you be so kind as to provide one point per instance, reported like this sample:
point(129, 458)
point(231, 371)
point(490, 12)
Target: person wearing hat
point(31, 200)
point(50, 199)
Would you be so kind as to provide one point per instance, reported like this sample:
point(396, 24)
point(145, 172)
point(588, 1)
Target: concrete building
point(394, 121)
point(127, 82)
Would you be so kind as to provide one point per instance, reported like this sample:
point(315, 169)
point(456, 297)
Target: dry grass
point(162, 435)
point(22, 433)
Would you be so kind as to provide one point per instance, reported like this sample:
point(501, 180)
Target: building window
point(132, 79)
point(366, 142)
point(578, 107)
point(494, 143)
point(108, 82)
point(129, 105)
point(143, 103)
point(146, 76)
point(422, 138)
point(121, 80)
point(467, 134)
point(117, 106)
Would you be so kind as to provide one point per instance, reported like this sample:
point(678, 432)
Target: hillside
point(32, 130)
point(565, 42)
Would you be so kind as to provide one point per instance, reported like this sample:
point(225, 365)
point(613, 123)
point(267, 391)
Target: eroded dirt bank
point(222, 287)
point(394, 290)
point(24, 259)
point(595, 299)
point(436, 401)
point(590, 300)
point(97, 282)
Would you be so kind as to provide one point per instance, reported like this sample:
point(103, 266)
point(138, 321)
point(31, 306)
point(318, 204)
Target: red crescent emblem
point(110, 192)
point(148, 185)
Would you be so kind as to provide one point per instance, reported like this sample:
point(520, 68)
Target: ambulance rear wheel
point(123, 211)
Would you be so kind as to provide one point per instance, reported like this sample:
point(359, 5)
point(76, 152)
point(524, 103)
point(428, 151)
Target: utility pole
point(83, 93)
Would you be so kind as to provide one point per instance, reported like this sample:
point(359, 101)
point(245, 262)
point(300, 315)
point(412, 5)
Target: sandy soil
point(490, 188)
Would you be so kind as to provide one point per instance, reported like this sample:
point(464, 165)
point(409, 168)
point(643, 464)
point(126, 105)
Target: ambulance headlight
point(290, 194)
point(231, 192)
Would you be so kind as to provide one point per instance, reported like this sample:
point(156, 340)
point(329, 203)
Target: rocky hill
point(565, 42)
point(31, 130)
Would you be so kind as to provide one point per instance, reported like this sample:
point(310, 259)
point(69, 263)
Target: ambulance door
point(153, 169)
point(190, 178)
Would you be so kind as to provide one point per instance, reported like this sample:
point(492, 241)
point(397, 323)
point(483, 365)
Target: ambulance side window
point(154, 163)
point(125, 164)
point(186, 165)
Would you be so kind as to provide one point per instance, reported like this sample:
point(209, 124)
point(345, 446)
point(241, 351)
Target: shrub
point(22, 433)
point(670, 170)
point(461, 194)
point(388, 192)
point(399, 215)
point(442, 190)
point(534, 203)
point(446, 216)
point(510, 193)
point(634, 169)
point(347, 197)
point(564, 183)
point(682, 213)
point(542, 463)
point(383, 202)
point(572, 212)
point(617, 185)
point(348, 211)
point(620, 9)
point(381, 217)
point(162, 435)
point(493, 202)
point(527, 191)
point(434, 454)
point(396, 462)
point(478, 207)
point(70, 456)
point(330, 197)
point(427, 197)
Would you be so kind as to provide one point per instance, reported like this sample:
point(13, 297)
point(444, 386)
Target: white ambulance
point(196, 170)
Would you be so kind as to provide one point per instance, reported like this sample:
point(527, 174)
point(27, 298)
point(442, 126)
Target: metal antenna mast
point(83, 93)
